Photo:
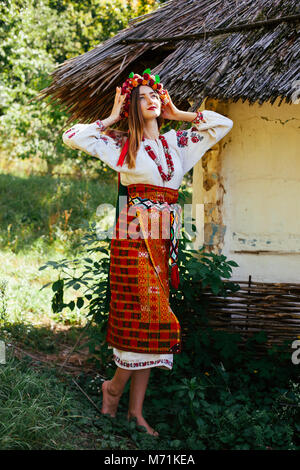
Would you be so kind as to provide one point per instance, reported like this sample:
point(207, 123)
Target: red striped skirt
point(140, 316)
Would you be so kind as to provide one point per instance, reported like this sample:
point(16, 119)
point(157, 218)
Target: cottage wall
point(250, 186)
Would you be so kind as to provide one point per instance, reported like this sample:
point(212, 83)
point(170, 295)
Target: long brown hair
point(136, 127)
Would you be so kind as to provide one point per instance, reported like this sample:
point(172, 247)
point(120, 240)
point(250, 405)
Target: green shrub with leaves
point(223, 392)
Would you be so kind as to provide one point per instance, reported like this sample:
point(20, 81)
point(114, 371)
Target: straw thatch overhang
point(223, 49)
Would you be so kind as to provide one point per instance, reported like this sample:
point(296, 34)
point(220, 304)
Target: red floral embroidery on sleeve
point(69, 130)
point(117, 137)
point(182, 138)
point(199, 118)
point(100, 125)
point(104, 138)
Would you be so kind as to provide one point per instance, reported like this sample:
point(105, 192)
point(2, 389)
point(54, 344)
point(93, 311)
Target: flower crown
point(135, 80)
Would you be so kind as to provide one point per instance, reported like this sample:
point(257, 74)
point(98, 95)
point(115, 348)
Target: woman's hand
point(170, 111)
point(117, 107)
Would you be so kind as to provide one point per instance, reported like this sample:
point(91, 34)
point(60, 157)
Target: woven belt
point(175, 211)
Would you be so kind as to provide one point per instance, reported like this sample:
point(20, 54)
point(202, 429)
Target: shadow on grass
point(52, 346)
point(48, 409)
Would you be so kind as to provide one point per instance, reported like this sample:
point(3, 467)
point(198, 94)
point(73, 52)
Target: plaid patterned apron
point(140, 316)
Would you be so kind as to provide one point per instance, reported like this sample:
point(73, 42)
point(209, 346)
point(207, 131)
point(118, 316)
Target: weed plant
point(224, 392)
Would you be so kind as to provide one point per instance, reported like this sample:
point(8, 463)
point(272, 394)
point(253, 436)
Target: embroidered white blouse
point(186, 148)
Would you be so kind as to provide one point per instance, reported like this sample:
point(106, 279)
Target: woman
point(142, 329)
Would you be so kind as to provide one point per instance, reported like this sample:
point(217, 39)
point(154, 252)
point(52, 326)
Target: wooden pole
point(215, 32)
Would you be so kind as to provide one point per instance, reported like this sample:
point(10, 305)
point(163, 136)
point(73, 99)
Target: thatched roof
point(224, 49)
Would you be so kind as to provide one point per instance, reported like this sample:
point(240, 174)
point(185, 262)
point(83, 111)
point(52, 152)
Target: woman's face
point(150, 102)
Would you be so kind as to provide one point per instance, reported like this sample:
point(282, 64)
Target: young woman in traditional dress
point(142, 329)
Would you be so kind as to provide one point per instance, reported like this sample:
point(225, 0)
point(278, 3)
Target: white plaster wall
point(260, 172)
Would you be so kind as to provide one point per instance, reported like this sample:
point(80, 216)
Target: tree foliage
point(35, 36)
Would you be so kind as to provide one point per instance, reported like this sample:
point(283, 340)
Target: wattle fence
point(257, 306)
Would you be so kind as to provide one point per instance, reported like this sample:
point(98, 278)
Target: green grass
point(40, 410)
point(202, 406)
point(38, 213)
point(35, 409)
point(42, 218)
point(21, 299)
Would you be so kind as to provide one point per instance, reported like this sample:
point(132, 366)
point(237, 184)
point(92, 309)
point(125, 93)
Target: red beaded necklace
point(169, 160)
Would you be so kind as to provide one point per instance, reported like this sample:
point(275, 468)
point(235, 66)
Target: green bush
point(222, 393)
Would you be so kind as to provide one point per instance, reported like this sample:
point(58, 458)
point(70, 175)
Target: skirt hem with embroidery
point(134, 361)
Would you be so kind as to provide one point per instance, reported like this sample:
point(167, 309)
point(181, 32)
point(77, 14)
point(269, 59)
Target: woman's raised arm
point(194, 142)
point(91, 138)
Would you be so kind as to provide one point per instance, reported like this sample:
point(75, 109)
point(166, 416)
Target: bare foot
point(142, 422)
point(110, 401)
